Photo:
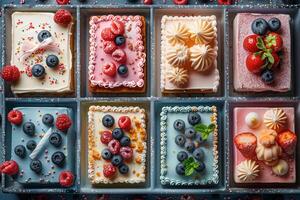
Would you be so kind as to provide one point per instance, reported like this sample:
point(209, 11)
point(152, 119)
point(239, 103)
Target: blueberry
point(36, 166)
point(194, 118)
point(116, 160)
point(190, 132)
point(179, 125)
point(180, 140)
point(55, 139)
point(125, 141)
point(29, 128)
point(201, 167)
point(189, 146)
point(38, 71)
point(181, 156)
point(260, 26)
point(117, 133)
point(58, 158)
point(123, 70)
point(106, 154)
point(199, 138)
point(123, 169)
point(198, 154)
point(48, 119)
point(20, 151)
point(108, 121)
point(267, 76)
point(180, 170)
point(120, 40)
point(44, 34)
point(52, 61)
point(31, 144)
point(274, 24)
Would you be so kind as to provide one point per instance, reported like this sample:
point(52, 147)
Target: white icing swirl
point(178, 76)
point(247, 171)
point(178, 56)
point(203, 32)
point(202, 57)
point(177, 34)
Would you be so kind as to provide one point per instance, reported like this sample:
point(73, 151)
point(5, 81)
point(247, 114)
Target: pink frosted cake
point(117, 60)
point(264, 145)
point(262, 52)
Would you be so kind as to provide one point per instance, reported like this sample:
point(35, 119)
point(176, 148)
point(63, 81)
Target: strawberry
point(62, 2)
point(117, 27)
point(250, 43)
point(66, 178)
point(119, 56)
point(107, 34)
point(63, 17)
point(109, 170)
point(63, 122)
point(148, 2)
point(276, 60)
point(106, 137)
point(224, 2)
point(15, 117)
point(9, 167)
point(287, 140)
point(254, 62)
point(273, 41)
point(124, 122)
point(109, 69)
point(180, 2)
point(10, 73)
point(246, 143)
point(109, 47)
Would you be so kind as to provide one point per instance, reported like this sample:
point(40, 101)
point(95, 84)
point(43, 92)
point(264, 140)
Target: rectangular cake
point(189, 48)
point(117, 58)
point(189, 146)
point(117, 145)
point(264, 145)
point(277, 76)
point(36, 38)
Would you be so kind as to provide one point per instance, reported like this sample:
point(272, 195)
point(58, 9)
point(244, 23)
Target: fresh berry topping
point(63, 17)
point(288, 141)
point(106, 154)
point(116, 160)
point(108, 121)
point(9, 168)
point(254, 63)
point(180, 169)
point(189, 146)
point(55, 139)
point(48, 119)
point(10, 73)
point(148, 2)
point(198, 154)
point(63, 122)
point(194, 118)
point(120, 40)
point(36, 166)
point(198, 138)
point(106, 137)
point(117, 27)
point(58, 158)
point(31, 144)
point(180, 140)
point(225, 2)
point(52, 61)
point(123, 70)
point(38, 71)
point(179, 125)
point(109, 69)
point(119, 56)
point(107, 34)
point(20, 151)
point(250, 43)
point(109, 47)
point(267, 76)
point(62, 2)
point(201, 167)
point(260, 26)
point(126, 153)
point(181, 156)
point(29, 128)
point(15, 117)
point(123, 169)
point(66, 178)
point(273, 41)
point(246, 144)
point(117, 133)
point(274, 24)
point(190, 132)
point(114, 147)
point(109, 170)
point(180, 2)
point(124, 122)
point(43, 35)
point(125, 141)
point(276, 60)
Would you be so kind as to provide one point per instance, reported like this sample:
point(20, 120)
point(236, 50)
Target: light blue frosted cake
point(189, 146)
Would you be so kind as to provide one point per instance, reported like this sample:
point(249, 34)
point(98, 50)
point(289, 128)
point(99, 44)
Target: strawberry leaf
point(260, 44)
point(270, 57)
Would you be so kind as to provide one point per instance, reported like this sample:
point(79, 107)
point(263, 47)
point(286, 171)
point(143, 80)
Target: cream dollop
point(178, 56)
point(252, 120)
point(248, 170)
point(177, 34)
point(202, 57)
point(203, 32)
point(275, 119)
point(281, 168)
point(178, 76)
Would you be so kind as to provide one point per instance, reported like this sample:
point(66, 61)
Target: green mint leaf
point(188, 161)
point(189, 171)
point(200, 127)
point(211, 127)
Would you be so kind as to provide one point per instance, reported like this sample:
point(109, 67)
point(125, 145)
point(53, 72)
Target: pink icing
point(134, 49)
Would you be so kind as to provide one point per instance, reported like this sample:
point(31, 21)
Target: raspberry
point(107, 34)
point(9, 167)
point(15, 117)
point(224, 2)
point(66, 178)
point(117, 27)
point(180, 2)
point(63, 122)
point(10, 73)
point(62, 17)
point(109, 47)
point(126, 153)
point(109, 170)
point(119, 56)
point(114, 146)
point(124, 122)
point(62, 2)
point(109, 69)
point(106, 137)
